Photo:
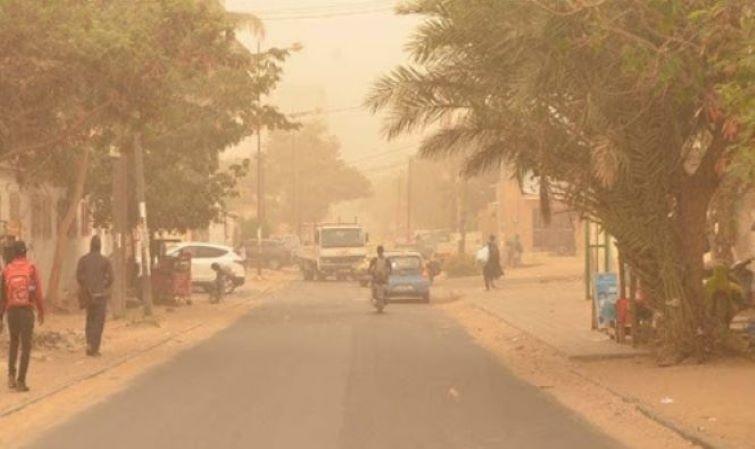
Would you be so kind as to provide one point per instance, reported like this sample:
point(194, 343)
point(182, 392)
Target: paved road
point(315, 368)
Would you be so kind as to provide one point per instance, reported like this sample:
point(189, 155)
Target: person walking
point(94, 275)
point(20, 295)
point(492, 269)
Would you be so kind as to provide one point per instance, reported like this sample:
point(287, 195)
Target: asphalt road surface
point(315, 367)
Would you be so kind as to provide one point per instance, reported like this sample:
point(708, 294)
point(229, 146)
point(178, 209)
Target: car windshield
point(406, 264)
point(341, 238)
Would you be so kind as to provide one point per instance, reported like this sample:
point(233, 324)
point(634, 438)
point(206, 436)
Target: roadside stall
point(171, 275)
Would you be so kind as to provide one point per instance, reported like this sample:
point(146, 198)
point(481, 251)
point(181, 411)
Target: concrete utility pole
point(409, 201)
point(295, 186)
point(260, 193)
point(462, 214)
point(143, 228)
point(398, 206)
point(120, 224)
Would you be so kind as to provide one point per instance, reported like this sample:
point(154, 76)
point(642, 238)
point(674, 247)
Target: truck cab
point(334, 250)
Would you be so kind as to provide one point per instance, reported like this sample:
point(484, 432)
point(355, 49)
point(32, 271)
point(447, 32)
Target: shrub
point(459, 265)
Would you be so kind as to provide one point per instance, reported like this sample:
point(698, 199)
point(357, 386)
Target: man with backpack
point(20, 294)
point(94, 274)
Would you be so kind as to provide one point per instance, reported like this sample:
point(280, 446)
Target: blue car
point(407, 279)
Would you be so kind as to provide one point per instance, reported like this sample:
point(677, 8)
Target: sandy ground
point(64, 381)
point(715, 400)
point(541, 366)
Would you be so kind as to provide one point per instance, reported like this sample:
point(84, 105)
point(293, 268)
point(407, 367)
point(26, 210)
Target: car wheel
point(426, 298)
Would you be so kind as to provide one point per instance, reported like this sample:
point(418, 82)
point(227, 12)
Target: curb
point(119, 362)
point(693, 436)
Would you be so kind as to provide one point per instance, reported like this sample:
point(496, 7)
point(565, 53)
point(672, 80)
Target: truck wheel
point(308, 275)
point(320, 276)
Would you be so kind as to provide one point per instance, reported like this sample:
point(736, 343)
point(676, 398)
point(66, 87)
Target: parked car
point(274, 254)
point(407, 279)
point(203, 255)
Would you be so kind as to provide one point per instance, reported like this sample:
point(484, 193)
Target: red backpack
point(18, 284)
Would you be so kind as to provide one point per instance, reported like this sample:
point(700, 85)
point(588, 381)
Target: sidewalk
point(546, 300)
point(711, 404)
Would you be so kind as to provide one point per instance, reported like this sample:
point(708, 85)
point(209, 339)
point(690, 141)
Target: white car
point(203, 255)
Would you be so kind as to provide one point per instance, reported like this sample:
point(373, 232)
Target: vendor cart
point(171, 278)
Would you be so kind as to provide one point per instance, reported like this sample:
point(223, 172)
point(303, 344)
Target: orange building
point(517, 212)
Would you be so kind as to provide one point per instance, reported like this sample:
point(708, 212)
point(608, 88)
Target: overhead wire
point(327, 15)
point(311, 9)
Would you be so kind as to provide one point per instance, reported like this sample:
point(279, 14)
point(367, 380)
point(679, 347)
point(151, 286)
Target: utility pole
point(409, 201)
point(398, 206)
point(144, 240)
point(295, 186)
point(119, 211)
point(260, 193)
point(462, 214)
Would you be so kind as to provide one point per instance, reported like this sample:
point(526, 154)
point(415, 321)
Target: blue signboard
point(606, 295)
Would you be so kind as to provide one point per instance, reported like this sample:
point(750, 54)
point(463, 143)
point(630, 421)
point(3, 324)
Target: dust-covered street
point(316, 367)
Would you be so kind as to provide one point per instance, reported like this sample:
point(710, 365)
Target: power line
point(322, 111)
point(381, 154)
point(324, 8)
point(326, 15)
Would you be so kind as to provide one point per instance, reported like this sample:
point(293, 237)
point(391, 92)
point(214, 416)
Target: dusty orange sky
point(346, 46)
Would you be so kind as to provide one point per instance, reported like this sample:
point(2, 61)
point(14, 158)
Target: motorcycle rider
point(380, 269)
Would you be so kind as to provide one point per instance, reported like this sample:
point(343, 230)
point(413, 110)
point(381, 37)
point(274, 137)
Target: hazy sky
point(346, 46)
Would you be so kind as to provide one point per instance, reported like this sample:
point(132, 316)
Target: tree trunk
point(692, 208)
point(61, 243)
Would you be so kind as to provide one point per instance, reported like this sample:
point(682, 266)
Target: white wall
point(42, 244)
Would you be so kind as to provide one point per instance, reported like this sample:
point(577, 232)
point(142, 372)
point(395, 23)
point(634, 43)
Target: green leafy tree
point(305, 174)
point(82, 78)
point(628, 111)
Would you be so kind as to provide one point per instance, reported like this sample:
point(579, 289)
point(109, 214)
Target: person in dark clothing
point(20, 295)
point(94, 274)
point(222, 274)
point(492, 270)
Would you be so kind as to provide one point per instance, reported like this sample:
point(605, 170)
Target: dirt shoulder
point(64, 381)
point(540, 365)
point(524, 324)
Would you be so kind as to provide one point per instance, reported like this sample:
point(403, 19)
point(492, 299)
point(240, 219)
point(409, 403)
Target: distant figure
point(20, 294)
point(221, 280)
point(514, 251)
point(492, 269)
point(94, 275)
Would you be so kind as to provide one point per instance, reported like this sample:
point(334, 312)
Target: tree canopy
point(92, 75)
point(628, 111)
point(305, 174)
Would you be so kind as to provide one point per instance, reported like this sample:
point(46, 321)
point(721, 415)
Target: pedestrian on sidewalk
point(94, 275)
point(20, 294)
point(492, 269)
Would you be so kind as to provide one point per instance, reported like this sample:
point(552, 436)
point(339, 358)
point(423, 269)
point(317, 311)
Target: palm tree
point(618, 107)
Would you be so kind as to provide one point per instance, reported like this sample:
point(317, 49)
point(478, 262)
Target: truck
point(332, 250)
